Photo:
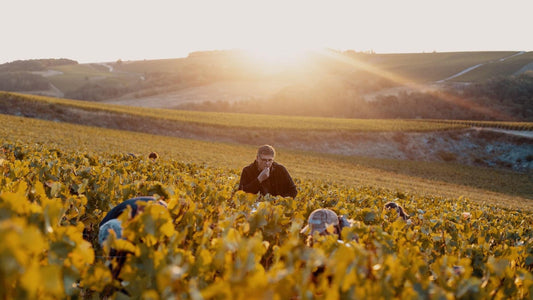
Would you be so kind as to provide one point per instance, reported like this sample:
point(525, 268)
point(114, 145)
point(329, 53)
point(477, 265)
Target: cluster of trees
point(513, 94)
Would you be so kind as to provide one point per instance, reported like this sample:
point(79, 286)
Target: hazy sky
point(107, 30)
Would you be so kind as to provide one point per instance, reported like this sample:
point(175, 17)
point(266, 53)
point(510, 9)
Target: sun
point(279, 55)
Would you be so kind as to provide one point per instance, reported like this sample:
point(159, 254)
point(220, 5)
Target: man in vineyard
point(266, 176)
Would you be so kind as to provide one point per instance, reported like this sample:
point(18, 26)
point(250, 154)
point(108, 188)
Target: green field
point(427, 67)
point(420, 67)
point(75, 76)
point(407, 67)
point(155, 65)
point(502, 68)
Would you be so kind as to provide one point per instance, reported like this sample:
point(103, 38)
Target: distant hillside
point(35, 64)
point(455, 85)
point(431, 67)
point(432, 140)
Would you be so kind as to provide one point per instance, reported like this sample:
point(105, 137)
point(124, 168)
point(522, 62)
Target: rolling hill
point(331, 84)
point(467, 184)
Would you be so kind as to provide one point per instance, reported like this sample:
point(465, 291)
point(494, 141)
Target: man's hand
point(264, 174)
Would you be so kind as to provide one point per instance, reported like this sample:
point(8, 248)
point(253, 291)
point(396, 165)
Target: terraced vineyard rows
point(223, 120)
point(212, 244)
point(527, 126)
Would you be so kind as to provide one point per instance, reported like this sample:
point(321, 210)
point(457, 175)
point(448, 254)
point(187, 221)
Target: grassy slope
point(421, 67)
point(425, 67)
point(75, 76)
point(406, 177)
point(155, 65)
point(502, 68)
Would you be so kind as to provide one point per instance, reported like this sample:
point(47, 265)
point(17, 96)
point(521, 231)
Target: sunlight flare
point(278, 55)
point(411, 84)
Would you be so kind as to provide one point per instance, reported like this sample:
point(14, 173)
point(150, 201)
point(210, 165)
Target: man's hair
point(266, 150)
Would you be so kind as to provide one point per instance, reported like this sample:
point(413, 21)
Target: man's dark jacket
point(279, 183)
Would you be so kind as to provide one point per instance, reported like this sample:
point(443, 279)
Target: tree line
point(34, 64)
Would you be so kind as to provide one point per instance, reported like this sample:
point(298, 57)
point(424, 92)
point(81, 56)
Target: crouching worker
point(110, 222)
point(324, 221)
point(399, 210)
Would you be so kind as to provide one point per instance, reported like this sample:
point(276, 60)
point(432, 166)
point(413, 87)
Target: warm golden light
point(413, 85)
point(278, 56)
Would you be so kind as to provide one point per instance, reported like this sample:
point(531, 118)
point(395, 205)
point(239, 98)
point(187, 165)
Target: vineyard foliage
point(525, 126)
point(214, 242)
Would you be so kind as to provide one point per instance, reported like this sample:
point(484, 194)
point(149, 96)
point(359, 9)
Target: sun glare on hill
point(278, 56)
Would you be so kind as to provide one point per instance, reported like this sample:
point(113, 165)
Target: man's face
point(264, 161)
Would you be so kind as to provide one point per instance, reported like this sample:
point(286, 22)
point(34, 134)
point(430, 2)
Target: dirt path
point(461, 73)
point(477, 66)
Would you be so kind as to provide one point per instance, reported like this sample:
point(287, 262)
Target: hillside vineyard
point(212, 244)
